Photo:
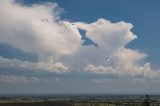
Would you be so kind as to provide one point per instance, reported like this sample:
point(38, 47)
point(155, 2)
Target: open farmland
point(77, 101)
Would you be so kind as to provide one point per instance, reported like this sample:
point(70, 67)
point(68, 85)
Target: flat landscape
point(78, 100)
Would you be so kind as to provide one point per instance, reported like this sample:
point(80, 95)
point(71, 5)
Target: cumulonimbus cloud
point(112, 39)
point(38, 29)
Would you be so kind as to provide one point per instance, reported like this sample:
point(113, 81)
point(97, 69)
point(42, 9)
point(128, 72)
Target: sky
point(79, 47)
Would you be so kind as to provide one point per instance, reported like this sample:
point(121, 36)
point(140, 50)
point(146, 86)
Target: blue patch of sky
point(86, 40)
point(7, 51)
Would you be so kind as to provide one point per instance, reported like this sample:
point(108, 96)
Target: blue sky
point(79, 46)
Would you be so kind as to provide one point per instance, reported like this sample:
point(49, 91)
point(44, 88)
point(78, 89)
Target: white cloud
point(100, 69)
point(26, 80)
point(108, 34)
point(112, 39)
point(37, 29)
point(143, 71)
point(16, 79)
point(49, 66)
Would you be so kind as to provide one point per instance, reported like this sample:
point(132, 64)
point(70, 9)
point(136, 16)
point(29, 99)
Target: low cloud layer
point(48, 66)
point(12, 79)
point(38, 29)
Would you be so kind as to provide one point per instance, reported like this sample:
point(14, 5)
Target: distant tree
point(146, 101)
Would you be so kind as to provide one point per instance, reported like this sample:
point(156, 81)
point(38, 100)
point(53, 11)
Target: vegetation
point(80, 100)
point(73, 103)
